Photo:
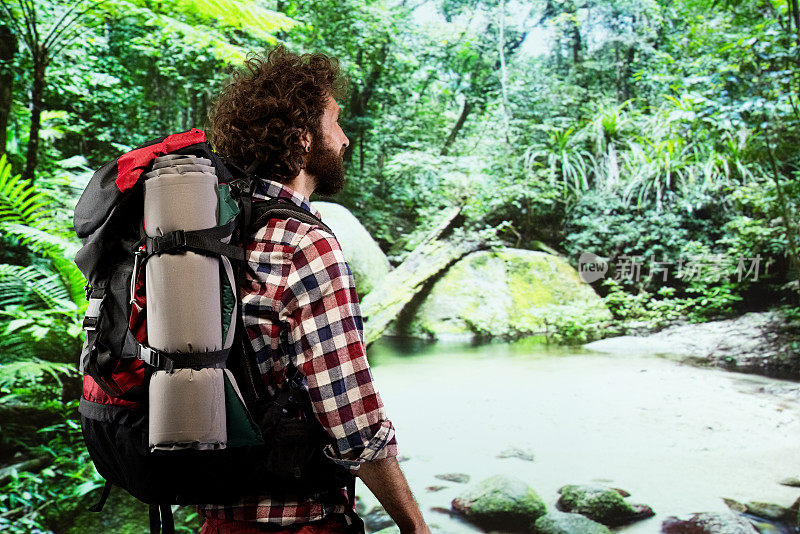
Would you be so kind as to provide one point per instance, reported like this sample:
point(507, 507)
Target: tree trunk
point(576, 43)
point(618, 72)
point(8, 49)
point(557, 51)
point(465, 111)
point(794, 257)
point(435, 254)
point(360, 99)
point(500, 49)
point(37, 102)
point(627, 93)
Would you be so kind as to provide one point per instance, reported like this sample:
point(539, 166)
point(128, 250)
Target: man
point(278, 118)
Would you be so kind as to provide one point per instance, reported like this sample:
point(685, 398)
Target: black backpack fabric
point(116, 364)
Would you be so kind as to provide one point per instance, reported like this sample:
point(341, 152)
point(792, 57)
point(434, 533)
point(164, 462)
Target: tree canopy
point(652, 128)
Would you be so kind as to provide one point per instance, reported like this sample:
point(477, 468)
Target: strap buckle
point(149, 356)
point(154, 358)
point(95, 309)
point(241, 185)
point(173, 240)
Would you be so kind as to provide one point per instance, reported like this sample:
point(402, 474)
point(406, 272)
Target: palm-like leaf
point(72, 278)
point(564, 158)
point(19, 201)
point(32, 371)
point(246, 15)
point(611, 121)
point(203, 23)
point(42, 242)
point(34, 287)
point(671, 157)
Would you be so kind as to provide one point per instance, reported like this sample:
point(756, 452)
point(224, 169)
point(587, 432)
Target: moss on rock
point(602, 504)
point(501, 502)
point(507, 293)
point(564, 523)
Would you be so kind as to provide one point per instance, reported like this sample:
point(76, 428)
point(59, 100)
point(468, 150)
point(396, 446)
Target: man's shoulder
point(298, 236)
point(316, 242)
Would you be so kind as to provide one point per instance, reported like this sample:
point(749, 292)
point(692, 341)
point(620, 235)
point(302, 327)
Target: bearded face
point(325, 164)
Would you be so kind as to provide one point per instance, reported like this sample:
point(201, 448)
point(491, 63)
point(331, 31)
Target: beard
point(327, 168)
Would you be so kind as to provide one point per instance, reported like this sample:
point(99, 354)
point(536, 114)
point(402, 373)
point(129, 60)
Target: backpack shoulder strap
point(260, 214)
point(283, 209)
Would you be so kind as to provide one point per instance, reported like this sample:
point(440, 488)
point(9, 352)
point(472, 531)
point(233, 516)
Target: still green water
point(678, 438)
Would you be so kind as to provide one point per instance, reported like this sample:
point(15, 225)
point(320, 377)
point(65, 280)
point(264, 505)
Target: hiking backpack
point(133, 390)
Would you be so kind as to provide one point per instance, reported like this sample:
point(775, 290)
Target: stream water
point(676, 437)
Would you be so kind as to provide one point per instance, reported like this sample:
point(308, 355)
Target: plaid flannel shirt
point(300, 281)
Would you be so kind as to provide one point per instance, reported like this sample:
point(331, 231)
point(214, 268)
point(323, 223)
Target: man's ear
point(306, 139)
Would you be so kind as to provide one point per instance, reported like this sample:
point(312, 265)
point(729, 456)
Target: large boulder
point(505, 293)
point(366, 259)
point(709, 523)
point(602, 504)
point(756, 342)
point(563, 523)
point(501, 503)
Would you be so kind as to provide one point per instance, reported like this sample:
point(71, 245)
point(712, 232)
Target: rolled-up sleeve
point(321, 307)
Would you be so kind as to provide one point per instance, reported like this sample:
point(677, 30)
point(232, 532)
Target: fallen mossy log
point(32, 465)
point(440, 249)
point(28, 416)
point(446, 221)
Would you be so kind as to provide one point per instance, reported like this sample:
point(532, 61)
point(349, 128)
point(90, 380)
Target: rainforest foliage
point(659, 129)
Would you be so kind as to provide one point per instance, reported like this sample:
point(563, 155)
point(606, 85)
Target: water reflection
point(678, 438)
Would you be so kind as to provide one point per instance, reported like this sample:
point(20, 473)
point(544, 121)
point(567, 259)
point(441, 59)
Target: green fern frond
point(50, 334)
point(42, 242)
point(33, 287)
point(32, 371)
point(72, 279)
point(20, 203)
point(202, 38)
point(16, 347)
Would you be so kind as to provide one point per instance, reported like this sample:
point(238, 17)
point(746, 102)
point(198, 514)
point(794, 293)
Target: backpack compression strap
point(206, 241)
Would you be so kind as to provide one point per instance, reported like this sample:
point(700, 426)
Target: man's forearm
point(386, 481)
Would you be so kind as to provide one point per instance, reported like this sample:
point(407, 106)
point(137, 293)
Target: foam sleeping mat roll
point(187, 406)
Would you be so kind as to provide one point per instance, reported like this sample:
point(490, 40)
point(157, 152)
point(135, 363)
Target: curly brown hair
point(260, 116)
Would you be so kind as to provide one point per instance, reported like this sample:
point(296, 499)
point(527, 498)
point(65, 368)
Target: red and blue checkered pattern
point(301, 285)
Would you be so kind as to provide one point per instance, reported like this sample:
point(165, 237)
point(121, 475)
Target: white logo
point(592, 267)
